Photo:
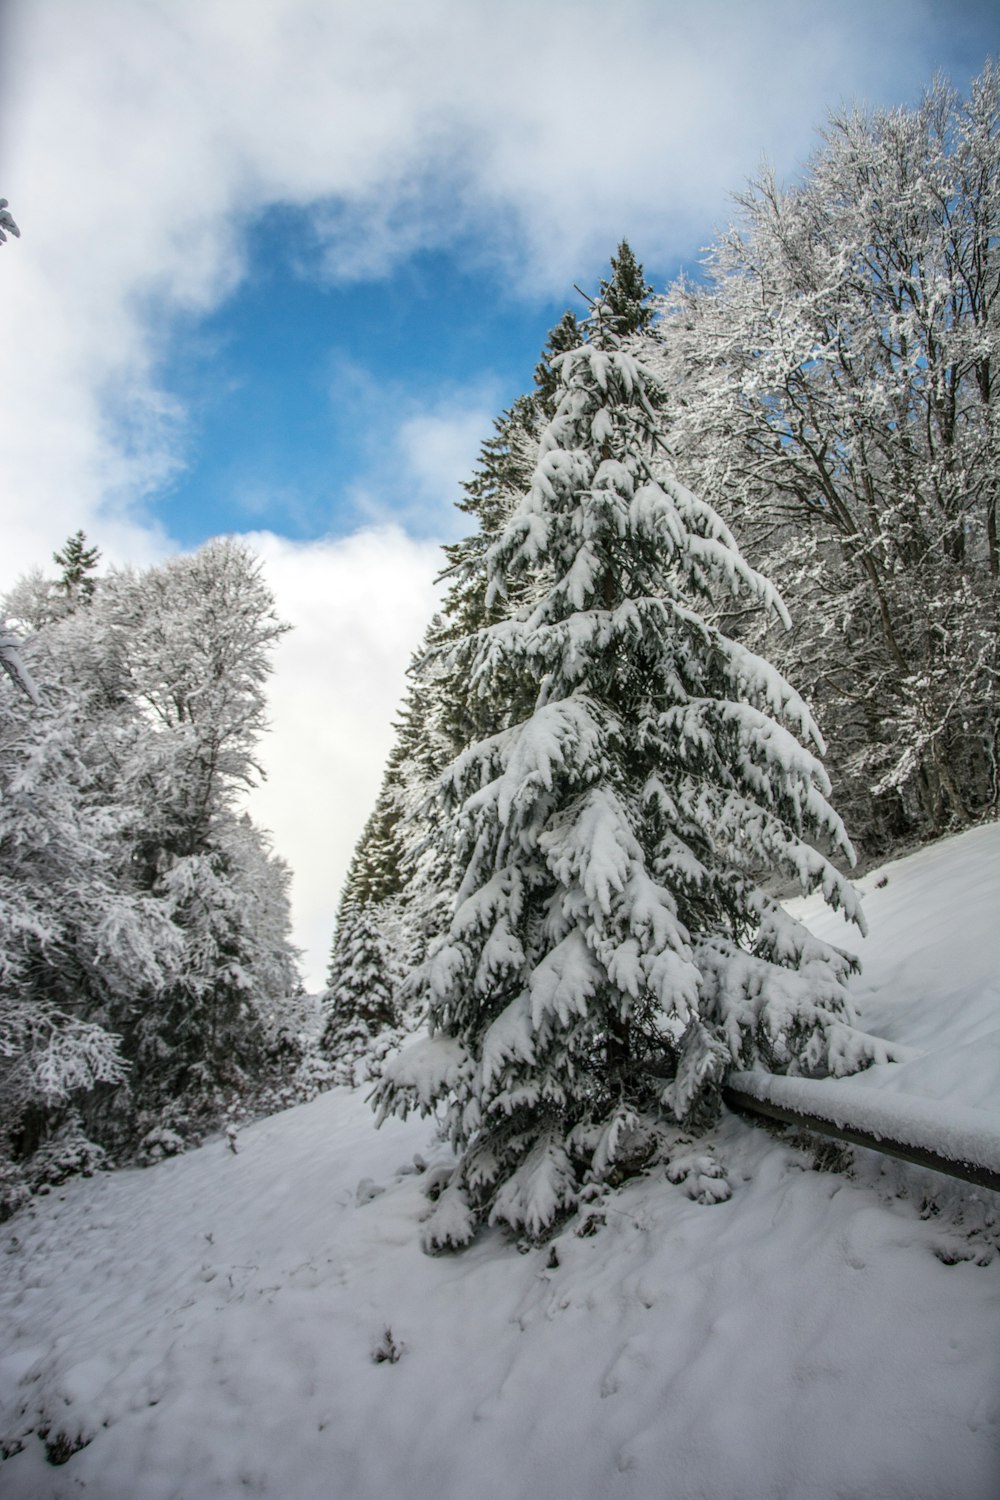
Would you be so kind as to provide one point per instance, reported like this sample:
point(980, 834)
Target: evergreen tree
point(362, 1016)
point(388, 868)
point(78, 562)
point(506, 460)
point(602, 845)
point(625, 298)
point(566, 335)
point(397, 856)
point(383, 869)
point(373, 874)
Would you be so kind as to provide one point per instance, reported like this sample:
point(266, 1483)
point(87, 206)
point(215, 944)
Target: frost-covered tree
point(836, 378)
point(195, 636)
point(12, 662)
point(160, 914)
point(75, 937)
point(197, 633)
point(209, 1032)
point(397, 859)
point(611, 949)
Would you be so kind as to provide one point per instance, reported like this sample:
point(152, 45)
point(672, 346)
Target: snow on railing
point(947, 1138)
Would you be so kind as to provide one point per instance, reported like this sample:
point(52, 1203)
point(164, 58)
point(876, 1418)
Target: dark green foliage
point(505, 463)
point(624, 300)
point(566, 335)
point(78, 562)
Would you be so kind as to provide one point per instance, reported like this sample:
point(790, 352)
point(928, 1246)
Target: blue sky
point(283, 261)
point(294, 387)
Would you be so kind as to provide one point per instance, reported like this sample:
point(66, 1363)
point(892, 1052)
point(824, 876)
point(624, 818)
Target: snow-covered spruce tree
point(362, 1017)
point(612, 951)
point(391, 899)
point(380, 913)
point(625, 298)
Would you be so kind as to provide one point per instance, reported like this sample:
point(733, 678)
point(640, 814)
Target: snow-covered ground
point(212, 1327)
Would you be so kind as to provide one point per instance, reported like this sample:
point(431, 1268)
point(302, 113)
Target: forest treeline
point(726, 612)
point(600, 768)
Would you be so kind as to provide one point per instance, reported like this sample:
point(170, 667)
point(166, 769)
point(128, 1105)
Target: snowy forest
point(722, 629)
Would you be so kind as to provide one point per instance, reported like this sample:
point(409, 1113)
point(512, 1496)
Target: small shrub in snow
point(700, 1175)
point(61, 1448)
point(451, 1223)
point(159, 1143)
point(387, 1351)
point(67, 1153)
point(591, 1221)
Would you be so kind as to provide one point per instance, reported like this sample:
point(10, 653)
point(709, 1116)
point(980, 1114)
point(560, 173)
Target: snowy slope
point(931, 976)
point(944, 1093)
point(209, 1325)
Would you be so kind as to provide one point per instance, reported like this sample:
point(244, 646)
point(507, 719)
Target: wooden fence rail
point(960, 1142)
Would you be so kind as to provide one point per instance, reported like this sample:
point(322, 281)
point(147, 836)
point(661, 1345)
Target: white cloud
point(439, 447)
point(416, 451)
point(140, 141)
point(418, 473)
point(358, 607)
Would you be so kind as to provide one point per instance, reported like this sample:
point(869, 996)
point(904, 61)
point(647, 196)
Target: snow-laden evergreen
point(612, 948)
point(363, 1019)
point(396, 860)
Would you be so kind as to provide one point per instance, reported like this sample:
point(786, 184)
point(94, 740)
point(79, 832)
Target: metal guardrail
point(921, 1153)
